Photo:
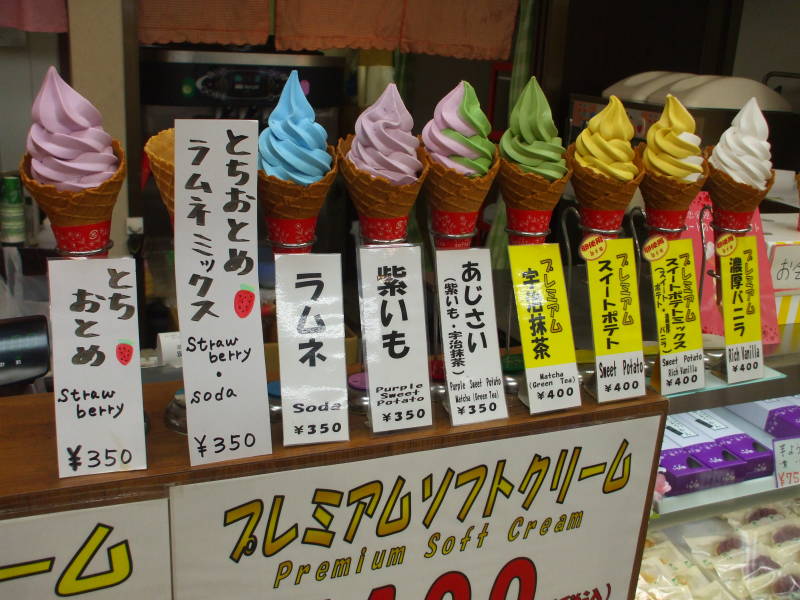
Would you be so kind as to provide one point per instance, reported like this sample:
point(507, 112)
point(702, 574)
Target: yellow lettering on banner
point(387, 525)
point(273, 544)
point(614, 300)
point(741, 297)
point(676, 298)
point(26, 569)
point(73, 581)
point(542, 307)
point(441, 492)
point(247, 542)
point(477, 475)
point(323, 537)
point(371, 490)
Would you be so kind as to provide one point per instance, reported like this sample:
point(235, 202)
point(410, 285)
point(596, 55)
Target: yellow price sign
point(548, 347)
point(680, 336)
point(741, 311)
point(616, 322)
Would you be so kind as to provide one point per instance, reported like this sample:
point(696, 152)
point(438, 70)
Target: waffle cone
point(68, 208)
point(596, 191)
point(529, 191)
point(730, 195)
point(377, 197)
point(290, 200)
point(661, 192)
point(160, 150)
point(450, 191)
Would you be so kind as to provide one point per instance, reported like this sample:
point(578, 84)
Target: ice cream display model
point(72, 168)
point(463, 165)
point(383, 168)
point(297, 169)
point(740, 170)
point(533, 171)
point(606, 170)
point(674, 169)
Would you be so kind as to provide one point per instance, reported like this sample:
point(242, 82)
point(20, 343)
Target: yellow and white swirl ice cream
point(605, 145)
point(673, 149)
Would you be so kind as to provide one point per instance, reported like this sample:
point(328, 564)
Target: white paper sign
point(115, 552)
point(308, 295)
point(469, 336)
point(97, 379)
point(785, 266)
point(556, 513)
point(787, 462)
point(216, 274)
point(620, 376)
point(745, 361)
point(395, 340)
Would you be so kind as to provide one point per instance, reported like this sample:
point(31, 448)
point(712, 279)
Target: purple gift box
point(760, 460)
point(779, 417)
point(683, 472)
point(726, 467)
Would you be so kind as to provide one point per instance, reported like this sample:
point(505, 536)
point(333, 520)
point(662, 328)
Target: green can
point(12, 212)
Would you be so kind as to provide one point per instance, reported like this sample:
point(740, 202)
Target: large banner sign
point(554, 515)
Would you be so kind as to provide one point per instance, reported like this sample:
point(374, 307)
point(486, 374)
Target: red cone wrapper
point(527, 221)
point(83, 238)
point(436, 368)
point(732, 220)
point(291, 231)
point(453, 223)
point(383, 230)
point(610, 220)
point(666, 219)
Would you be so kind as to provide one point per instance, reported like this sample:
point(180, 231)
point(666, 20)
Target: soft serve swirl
point(604, 146)
point(457, 135)
point(293, 146)
point(743, 151)
point(384, 145)
point(531, 140)
point(673, 150)
point(68, 146)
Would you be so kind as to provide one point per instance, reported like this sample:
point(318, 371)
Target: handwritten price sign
point(787, 462)
point(98, 384)
point(115, 552)
point(216, 276)
point(472, 521)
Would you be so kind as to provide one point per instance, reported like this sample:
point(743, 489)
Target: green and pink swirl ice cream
point(457, 136)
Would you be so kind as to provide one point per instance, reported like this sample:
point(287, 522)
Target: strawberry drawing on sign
point(124, 352)
point(243, 301)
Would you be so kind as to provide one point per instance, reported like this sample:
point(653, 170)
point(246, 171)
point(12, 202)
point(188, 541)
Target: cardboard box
point(779, 417)
point(760, 460)
point(725, 466)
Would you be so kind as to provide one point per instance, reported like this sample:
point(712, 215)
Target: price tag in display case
point(116, 552)
point(548, 348)
point(395, 341)
point(308, 297)
point(96, 375)
point(680, 365)
point(469, 336)
point(616, 321)
point(494, 519)
point(787, 462)
point(216, 276)
point(741, 307)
